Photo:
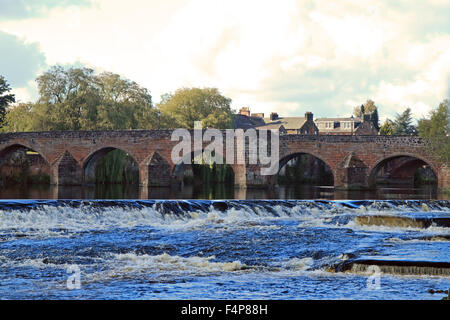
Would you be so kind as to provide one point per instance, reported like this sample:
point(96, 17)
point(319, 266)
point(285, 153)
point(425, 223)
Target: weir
point(294, 236)
point(403, 222)
point(396, 267)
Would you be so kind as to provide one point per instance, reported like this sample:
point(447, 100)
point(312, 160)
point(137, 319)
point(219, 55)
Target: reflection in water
point(217, 191)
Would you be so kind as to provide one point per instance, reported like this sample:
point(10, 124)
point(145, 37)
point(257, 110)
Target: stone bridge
point(353, 160)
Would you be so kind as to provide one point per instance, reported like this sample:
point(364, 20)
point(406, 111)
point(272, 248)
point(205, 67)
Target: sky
point(286, 56)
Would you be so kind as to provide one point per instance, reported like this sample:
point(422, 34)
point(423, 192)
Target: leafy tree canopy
point(77, 99)
point(436, 130)
point(5, 99)
point(187, 105)
point(368, 108)
point(365, 108)
point(403, 124)
point(387, 128)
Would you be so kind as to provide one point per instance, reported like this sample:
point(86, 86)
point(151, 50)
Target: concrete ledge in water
point(402, 267)
point(404, 222)
point(436, 238)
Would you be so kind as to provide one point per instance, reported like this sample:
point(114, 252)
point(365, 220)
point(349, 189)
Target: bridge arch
point(17, 145)
point(89, 165)
point(400, 167)
point(320, 165)
point(19, 159)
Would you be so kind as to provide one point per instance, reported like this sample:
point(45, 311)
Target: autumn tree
point(368, 108)
point(365, 108)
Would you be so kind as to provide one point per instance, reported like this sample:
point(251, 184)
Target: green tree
point(77, 99)
point(124, 104)
point(387, 128)
point(195, 104)
point(436, 130)
point(5, 99)
point(19, 118)
point(403, 123)
point(68, 99)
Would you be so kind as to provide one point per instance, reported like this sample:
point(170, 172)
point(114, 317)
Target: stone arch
point(412, 162)
point(286, 158)
point(17, 145)
point(32, 163)
point(90, 162)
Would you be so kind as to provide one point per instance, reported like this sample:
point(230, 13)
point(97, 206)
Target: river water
point(219, 191)
point(224, 249)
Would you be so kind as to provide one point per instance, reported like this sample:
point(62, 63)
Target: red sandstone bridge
point(353, 160)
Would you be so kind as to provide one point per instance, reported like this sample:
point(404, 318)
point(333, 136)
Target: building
point(305, 125)
point(346, 126)
point(337, 125)
point(245, 120)
point(286, 125)
point(291, 125)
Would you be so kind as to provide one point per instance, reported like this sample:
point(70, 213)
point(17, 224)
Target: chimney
point(245, 111)
point(273, 116)
point(309, 116)
point(258, 115)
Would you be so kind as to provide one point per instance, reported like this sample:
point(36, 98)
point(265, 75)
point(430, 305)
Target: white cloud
point(25, 94)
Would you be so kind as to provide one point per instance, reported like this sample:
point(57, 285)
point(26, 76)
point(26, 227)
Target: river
point(218, 191)
point(387, 247)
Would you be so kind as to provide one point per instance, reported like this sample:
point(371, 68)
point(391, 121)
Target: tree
point(77, 99)
point(375, 120)
point(68, 99)
point(368, 108)
point(195, 104)
point(124, 104)
point(365, 108)
point(402, 124)
point(18, 118)
point(436, 130)
point(5, 99)
point(387, 128)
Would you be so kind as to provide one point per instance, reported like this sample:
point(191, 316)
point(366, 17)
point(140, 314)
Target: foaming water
point(249, 249)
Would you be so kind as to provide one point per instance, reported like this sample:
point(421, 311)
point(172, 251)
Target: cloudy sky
point(285, 56)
